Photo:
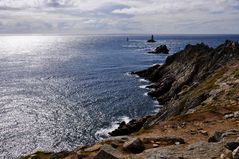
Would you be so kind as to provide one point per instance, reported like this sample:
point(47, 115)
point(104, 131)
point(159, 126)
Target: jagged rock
point(216, 137)
point(235, 153)
point(126, 129)
point(135, 146)
point(232, 145)
point(108, 152)
point(162, 49)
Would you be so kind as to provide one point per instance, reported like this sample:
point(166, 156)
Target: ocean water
point(59, 92)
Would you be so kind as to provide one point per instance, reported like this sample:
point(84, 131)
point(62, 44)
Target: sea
point(58, 92)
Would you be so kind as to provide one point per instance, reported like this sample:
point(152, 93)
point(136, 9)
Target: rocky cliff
point(190, 78)
point(199, 90)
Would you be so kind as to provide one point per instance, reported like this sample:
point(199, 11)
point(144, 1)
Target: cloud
point(119, 16)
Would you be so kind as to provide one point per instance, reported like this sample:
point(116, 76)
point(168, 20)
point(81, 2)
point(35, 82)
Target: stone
point(155, 145)
point(229, 116)
point(203, 132)
point(235, 153)
point(108, 152)
point(135, 146)
point(232, 145)
point(216, 137)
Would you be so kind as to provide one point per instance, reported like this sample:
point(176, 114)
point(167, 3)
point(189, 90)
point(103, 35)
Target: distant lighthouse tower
point(151, 40)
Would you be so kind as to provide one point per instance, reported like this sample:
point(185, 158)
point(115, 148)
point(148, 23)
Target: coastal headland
point(199, 90)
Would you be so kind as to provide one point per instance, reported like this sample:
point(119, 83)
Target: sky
point(119, 16)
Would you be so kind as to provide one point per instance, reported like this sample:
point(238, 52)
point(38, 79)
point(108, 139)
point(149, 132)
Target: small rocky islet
point(199, 88)
point(162, 49)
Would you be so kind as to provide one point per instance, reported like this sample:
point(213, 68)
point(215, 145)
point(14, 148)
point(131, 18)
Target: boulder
point(134, 146)
point(162, 49)
point(235, 153)
point(232, 145)
point(216, 137)
point(108, 152)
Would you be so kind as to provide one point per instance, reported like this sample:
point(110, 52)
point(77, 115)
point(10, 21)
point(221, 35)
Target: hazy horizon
point(119, 17)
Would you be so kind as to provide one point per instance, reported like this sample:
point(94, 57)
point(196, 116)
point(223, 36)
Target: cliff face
point(187, 78)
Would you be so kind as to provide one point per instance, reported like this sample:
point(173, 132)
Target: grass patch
point(208, 108)
point(233, 92)
point(236, 74)
point(208, 84)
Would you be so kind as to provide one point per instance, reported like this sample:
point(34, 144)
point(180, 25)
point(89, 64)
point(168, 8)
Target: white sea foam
point(103, 133)
point(157, 106)
point(143, 80)
point(143, 87)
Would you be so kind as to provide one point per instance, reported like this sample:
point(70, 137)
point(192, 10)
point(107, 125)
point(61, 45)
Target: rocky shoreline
point(199, 88)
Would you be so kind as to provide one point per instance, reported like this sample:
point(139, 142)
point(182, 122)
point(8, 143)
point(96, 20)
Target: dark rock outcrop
point(162, 49)
point(133, 126)
point(135, 145)
point(232, 145)
point(183, 72)
point(216, 137)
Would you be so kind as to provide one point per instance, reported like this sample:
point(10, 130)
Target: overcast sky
point(120, 16)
